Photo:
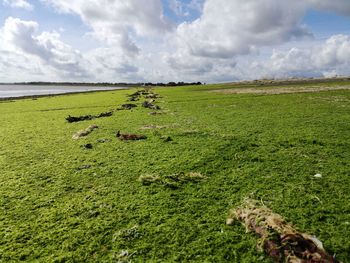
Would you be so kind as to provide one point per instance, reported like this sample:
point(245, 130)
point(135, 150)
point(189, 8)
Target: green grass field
point(60, 202)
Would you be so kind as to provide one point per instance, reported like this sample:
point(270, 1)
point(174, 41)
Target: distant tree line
point(109, 84)
point(173, 84)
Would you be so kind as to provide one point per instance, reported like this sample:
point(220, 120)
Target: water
point(7, 91)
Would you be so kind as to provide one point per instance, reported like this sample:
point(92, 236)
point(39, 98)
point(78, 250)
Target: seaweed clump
point(71, 119)
point(279, 239)
point(84, 132)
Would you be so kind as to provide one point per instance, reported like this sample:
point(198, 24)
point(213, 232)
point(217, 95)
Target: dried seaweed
point(279, 239)
point(85, 132)
point(71, 119)
point(130, 137)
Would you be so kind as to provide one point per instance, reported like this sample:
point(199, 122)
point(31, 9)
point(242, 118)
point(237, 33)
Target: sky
point(172, 40)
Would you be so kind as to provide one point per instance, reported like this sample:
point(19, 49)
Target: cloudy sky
point(172, 40)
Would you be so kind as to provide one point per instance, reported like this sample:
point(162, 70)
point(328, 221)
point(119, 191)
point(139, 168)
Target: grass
point(60, 202)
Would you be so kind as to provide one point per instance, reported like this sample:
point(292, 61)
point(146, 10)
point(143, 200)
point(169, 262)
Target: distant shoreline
point(14, 98)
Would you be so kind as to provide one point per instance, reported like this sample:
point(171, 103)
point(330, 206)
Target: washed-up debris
point(279, 239)
point(87, 146)
point(153, 113)
point(124, 257)
point(152, 96)
point(172, 181)
point(130, 137)
point(135, 94)
point(128, 234)
point(134, 98)
point(127, 106)
point(80, 118)
point(151, 127)
point(83, 167)
point(150, 105)
point(166, 138)
point(85, 132)
point(139, 93)
point(103, 140)
point(104, 114)
point(147, 93)
point(71, 119)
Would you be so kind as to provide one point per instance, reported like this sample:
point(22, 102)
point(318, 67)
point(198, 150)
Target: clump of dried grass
point(279, 239)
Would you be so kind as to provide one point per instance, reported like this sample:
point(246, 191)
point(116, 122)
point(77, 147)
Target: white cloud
point(230, 40)
point(19, 4)
point(19, 37)
point(334, 53)
point(118, 23)
point(229, 28)
point(329, 58)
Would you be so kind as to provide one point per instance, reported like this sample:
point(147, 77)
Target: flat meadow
point(166, 198)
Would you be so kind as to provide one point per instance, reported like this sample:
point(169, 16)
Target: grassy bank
point(61, 202)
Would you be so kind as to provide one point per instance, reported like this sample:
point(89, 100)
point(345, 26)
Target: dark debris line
point(71, 119)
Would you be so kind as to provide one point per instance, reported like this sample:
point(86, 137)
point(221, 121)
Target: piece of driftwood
point(279, 239)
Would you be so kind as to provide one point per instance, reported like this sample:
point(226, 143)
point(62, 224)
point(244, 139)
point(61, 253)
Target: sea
point(12, 91)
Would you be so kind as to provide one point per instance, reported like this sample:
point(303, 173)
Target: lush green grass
point(60, 202)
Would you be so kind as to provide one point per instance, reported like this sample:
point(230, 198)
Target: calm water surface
point(7, 91)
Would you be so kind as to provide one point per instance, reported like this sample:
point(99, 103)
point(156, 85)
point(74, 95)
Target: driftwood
point(71, 119)
point(130, 137)
point(279, 239)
